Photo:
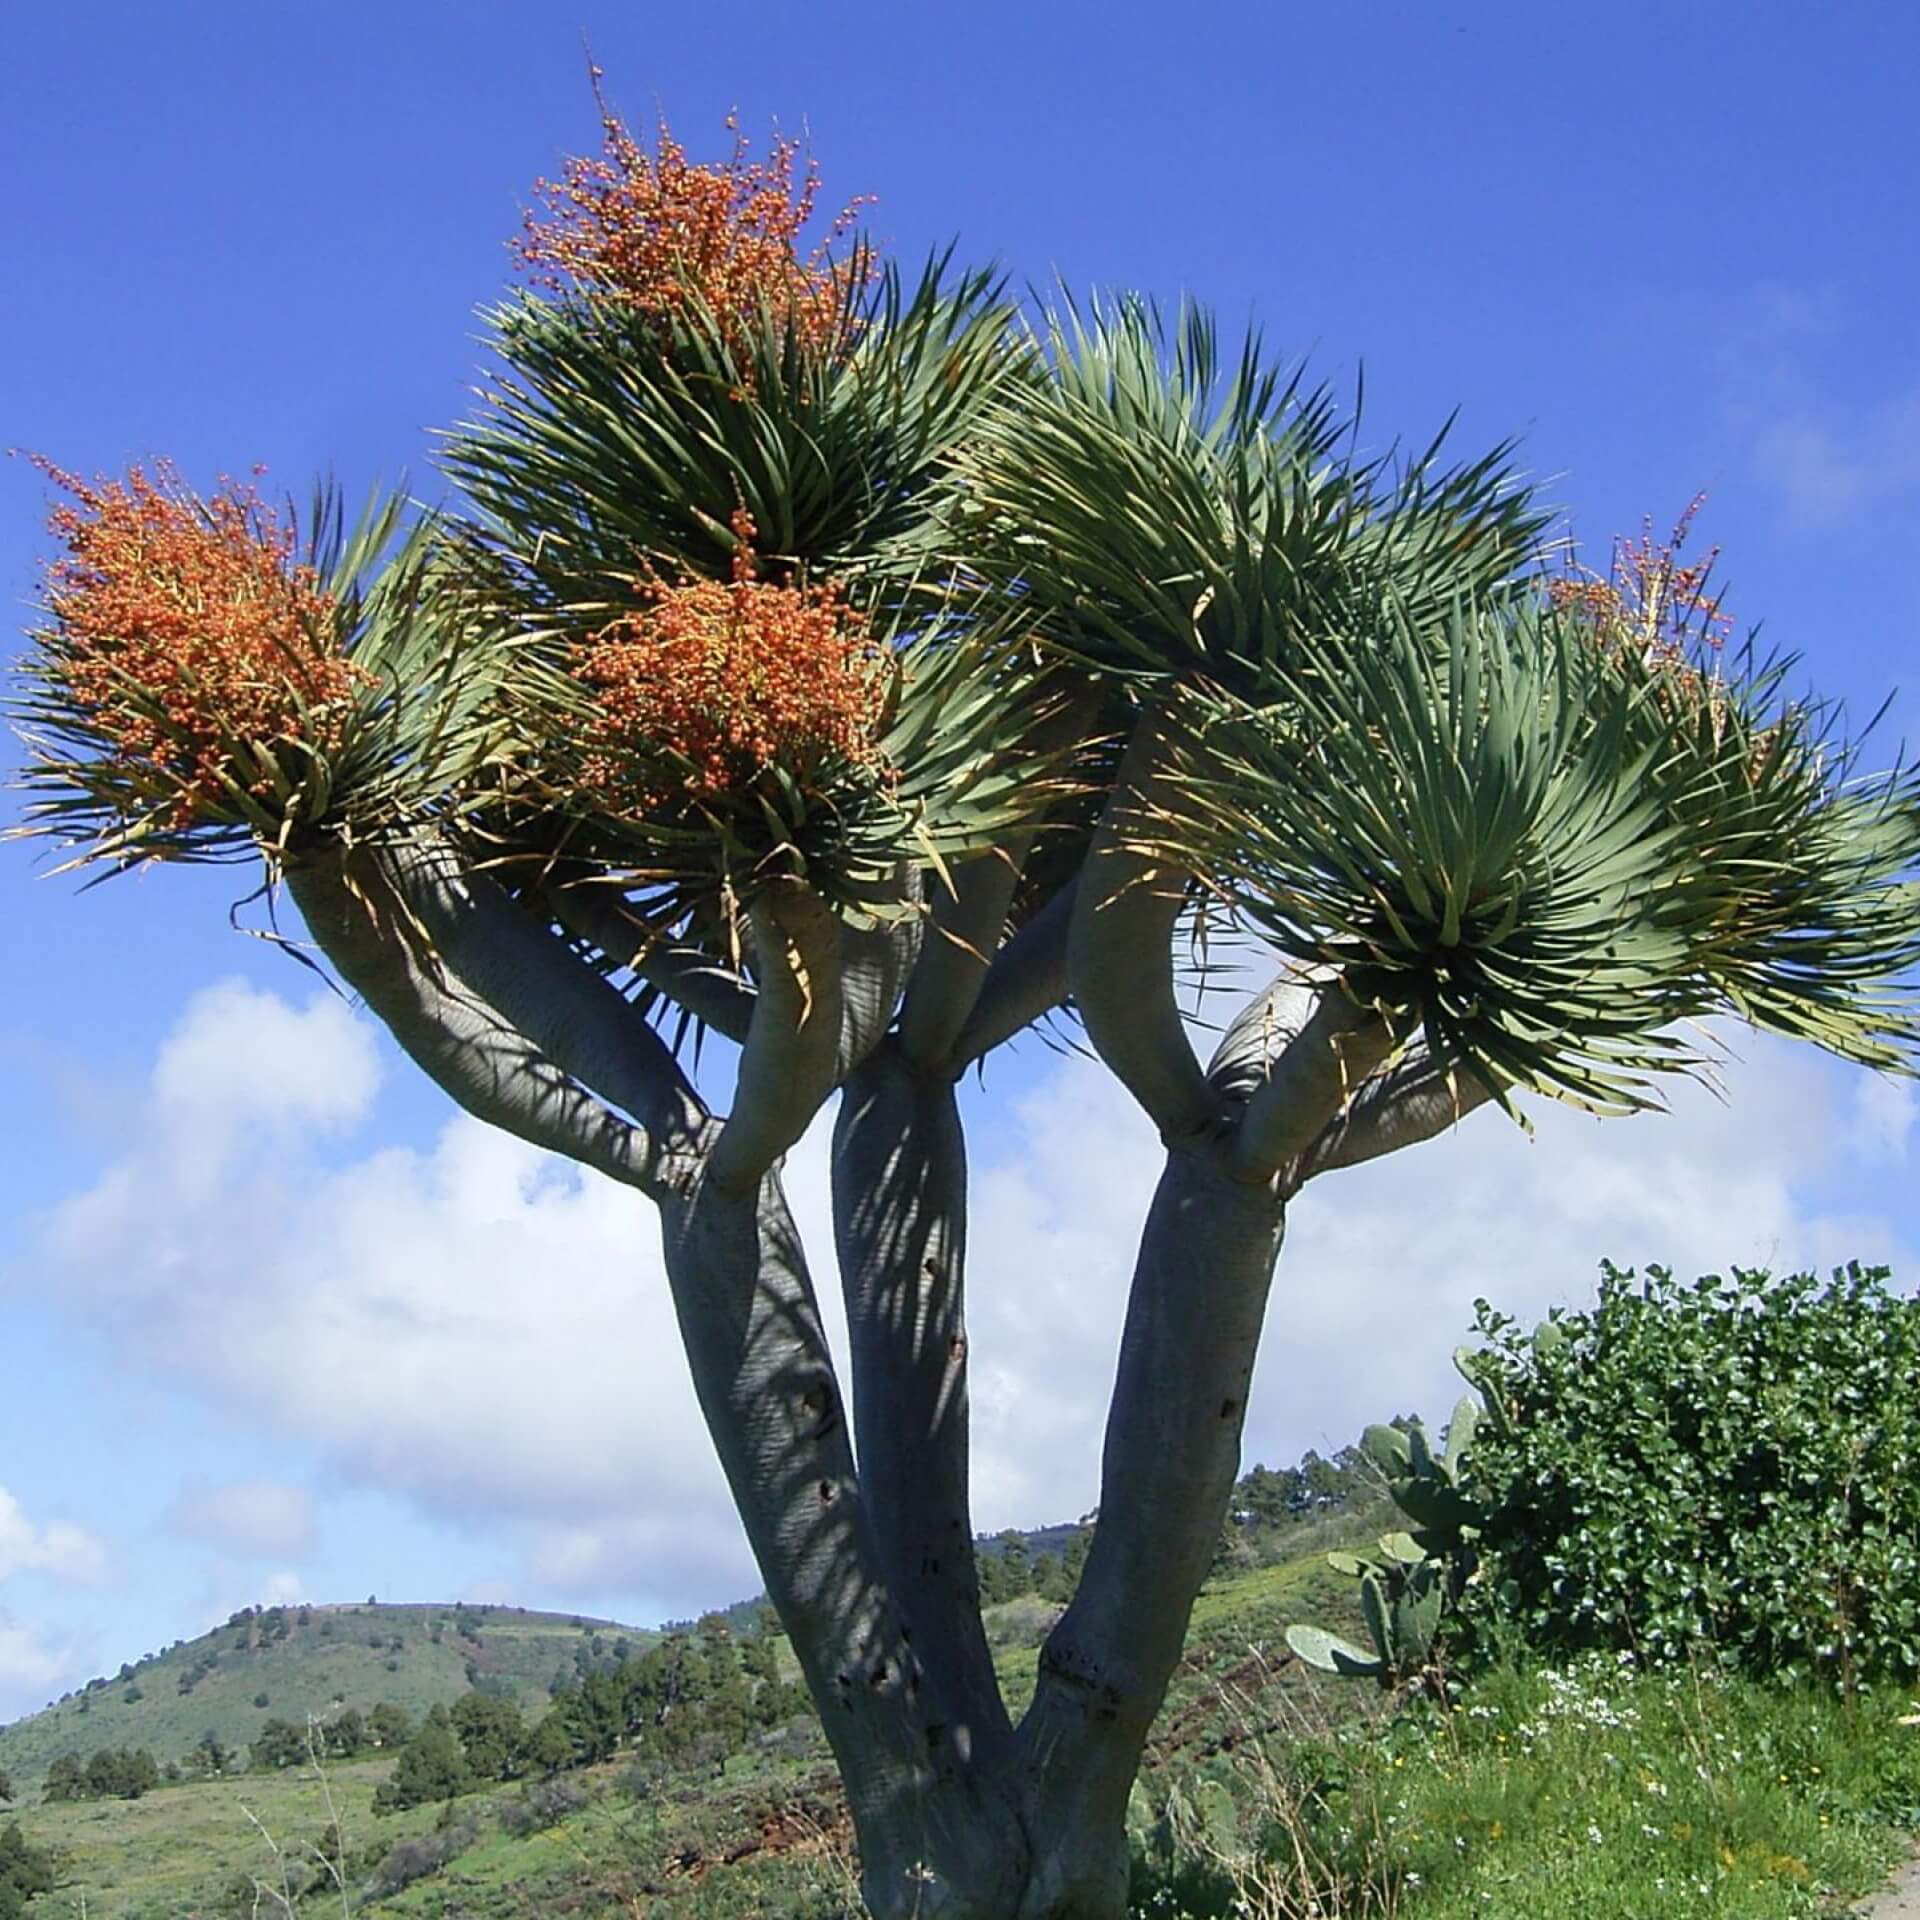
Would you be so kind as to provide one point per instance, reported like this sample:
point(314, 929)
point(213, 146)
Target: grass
point(1269, 1793)
point(174, 1852)
point(1597, 1793)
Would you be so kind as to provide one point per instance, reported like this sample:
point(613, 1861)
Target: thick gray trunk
point(980, 1827)
point(899, 1207)
point(1172, 1450)
point(935, 1840)
point(958, 1816)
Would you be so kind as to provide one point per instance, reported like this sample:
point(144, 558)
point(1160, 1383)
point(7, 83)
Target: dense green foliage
point(1731, 1465)
point(345, 1735)
point(689, 1696)
point(25, 1870)
point(113, 1773)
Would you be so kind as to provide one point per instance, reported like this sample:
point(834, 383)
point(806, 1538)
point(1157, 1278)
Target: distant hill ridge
point(286, 1663)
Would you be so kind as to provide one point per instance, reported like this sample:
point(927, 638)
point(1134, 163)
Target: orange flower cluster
point(733, 678)
point(185, 630)
point(1649, 601)
point(652, 230)
point(1651, 606)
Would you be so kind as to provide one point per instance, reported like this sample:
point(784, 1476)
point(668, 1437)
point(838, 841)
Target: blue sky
point(251, 1341)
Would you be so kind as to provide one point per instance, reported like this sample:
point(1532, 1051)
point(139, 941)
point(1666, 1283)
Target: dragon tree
point(831, 673)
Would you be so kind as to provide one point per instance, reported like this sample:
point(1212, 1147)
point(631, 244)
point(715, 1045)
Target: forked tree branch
point(1120, 951)
point(790, 1062)
point(565, 1007)
point(765, 1381)
point(478, 1053)
point(1316, 1073)
point(1027, 980)
point(1408, 1103)
point(958, 952)
point(1172, 1449)
point(1261, 1031)
point(1392, 1106)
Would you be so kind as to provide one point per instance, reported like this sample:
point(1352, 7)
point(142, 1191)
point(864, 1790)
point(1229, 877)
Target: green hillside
point(286, 1663)
point(760, 1831)
point(290, 1664)
point(755, 1826)
point(1615, 1794)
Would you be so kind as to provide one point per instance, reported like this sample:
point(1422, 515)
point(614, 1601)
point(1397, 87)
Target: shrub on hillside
point(25, 1870)
point(1732, 1463)
point(411, 1860)
point(545, 1803)
point(432, 1766)
point(113, 1773)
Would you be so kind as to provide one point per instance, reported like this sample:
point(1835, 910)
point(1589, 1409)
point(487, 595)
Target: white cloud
point(487, 1333)
point(1829, 459)
point(241, 1057)
point(1882, 1123)
point(1376, 1283)
point(1829, 470)
point(476, 1327)
point(259, 1518)
point(30, 1669)
point(58, 1549)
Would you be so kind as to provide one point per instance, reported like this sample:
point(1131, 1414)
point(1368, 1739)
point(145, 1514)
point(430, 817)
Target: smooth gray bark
point(899, 1209)
point(507, 1022)
point(1261, 1031)
point(1172, 1451)
point(875, 965)
point(1406, 1104)
point(1120, 950)
point(1315, 1074)
point(936, 1838)
point(967, 923)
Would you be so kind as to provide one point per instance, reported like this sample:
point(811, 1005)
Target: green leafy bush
point(1734, 1462)
point(25, 1870)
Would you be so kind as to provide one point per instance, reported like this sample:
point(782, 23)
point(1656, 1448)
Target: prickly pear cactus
point(1407, 1588)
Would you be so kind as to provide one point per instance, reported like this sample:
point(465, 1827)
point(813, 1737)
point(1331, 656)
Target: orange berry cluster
point(653, 230)
point(731, 677)
point(1649, 601)
point(1651, 606)
point(185, 631)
